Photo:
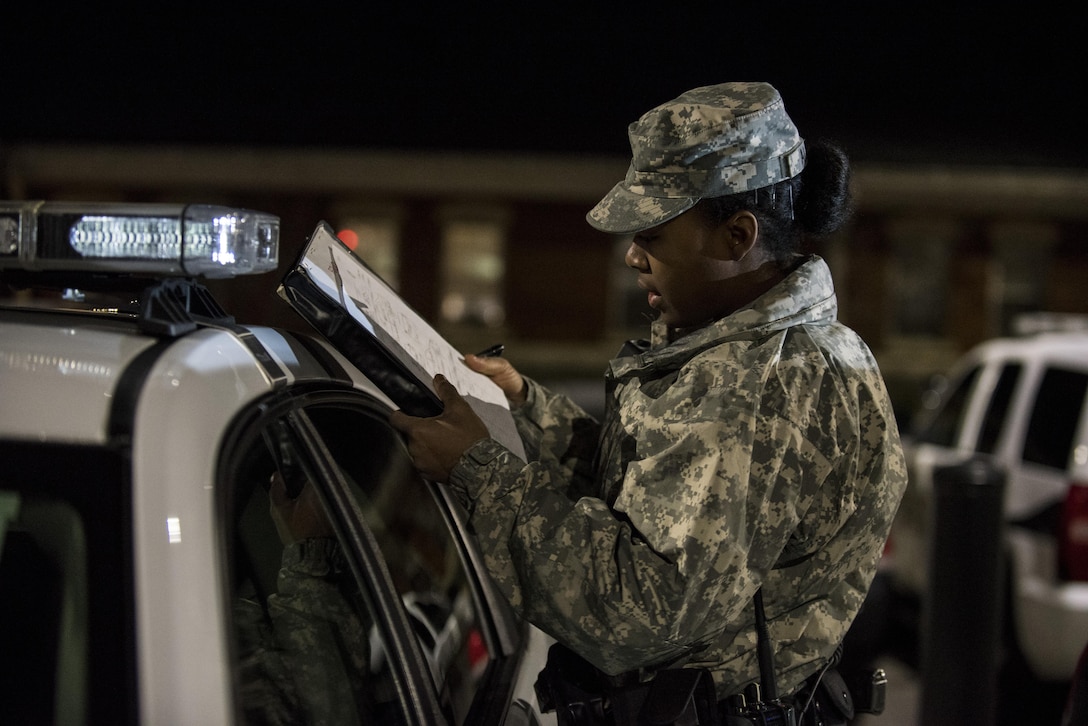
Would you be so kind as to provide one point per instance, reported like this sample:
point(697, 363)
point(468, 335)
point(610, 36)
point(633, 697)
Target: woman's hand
point(437, 443)
point(502, 373)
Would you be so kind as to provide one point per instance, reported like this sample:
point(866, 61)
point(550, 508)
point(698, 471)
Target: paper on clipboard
point(414, 347)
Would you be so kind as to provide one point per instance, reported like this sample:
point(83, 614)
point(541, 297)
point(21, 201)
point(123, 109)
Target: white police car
point(208, 523)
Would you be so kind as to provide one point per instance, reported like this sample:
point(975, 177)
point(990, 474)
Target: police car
point(207, 522)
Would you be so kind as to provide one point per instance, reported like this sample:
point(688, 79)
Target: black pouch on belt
point(582, 695)
point(832, 704)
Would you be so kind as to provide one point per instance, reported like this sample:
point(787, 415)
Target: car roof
point(76, 365)
point(71, 374)
point(1071, 346)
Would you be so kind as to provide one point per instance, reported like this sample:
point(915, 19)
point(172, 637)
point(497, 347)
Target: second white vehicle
point(1020, 405)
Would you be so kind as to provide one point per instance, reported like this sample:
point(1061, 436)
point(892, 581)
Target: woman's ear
point(741, 232)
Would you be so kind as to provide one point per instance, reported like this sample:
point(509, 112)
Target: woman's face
point(686, 269)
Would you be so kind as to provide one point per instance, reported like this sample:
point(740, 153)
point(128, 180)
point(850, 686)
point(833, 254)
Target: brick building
point(491, 247)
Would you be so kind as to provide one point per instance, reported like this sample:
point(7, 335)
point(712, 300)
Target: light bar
point(160, 239)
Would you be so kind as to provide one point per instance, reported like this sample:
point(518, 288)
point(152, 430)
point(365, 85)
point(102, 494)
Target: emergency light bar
point(158, 239)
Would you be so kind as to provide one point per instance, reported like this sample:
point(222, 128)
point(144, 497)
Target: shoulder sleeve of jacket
point(553, 427)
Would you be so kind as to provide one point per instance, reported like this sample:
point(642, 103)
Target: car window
point(420, 551)
point(1054, 418)
point(944, 428)
point(65, 586)
point(997, 409)
point(310, 630)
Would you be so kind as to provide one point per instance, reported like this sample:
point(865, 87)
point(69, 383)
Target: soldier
point(748, 447)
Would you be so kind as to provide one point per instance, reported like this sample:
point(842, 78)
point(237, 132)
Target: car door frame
point(502, 631)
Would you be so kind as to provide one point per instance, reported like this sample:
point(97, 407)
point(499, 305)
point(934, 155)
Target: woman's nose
point(635, 258)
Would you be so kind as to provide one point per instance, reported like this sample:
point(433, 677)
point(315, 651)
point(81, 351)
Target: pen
point(492, 352)
point(339, 279)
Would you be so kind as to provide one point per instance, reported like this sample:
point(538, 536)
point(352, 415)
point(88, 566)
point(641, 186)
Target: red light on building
point(349, 237)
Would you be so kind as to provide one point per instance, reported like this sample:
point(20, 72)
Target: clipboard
point(353, 308)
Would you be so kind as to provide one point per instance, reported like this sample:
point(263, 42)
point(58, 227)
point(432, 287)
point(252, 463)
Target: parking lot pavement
point(901, 707)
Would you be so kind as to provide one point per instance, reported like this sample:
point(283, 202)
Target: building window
point(630, 312)
point(473, 268)
point(920, 251)
point(1023, 252)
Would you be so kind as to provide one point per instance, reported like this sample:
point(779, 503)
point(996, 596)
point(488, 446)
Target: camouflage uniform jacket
point(760, 450)
point(305, 658)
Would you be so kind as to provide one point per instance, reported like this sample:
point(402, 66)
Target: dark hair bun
point(824, 204)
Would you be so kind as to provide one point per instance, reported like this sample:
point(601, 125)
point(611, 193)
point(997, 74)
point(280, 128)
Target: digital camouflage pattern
point(759, 450)
point(708, 142)
point(306, 658)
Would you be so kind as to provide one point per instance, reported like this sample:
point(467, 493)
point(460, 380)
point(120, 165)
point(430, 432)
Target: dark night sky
point(889, 80)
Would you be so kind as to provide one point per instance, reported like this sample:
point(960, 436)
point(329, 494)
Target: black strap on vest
point(764, 650)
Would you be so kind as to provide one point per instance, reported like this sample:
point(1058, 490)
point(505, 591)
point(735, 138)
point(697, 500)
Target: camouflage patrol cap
point(709, 142)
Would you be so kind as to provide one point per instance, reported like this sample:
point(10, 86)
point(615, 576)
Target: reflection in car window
point(1054, 418)
point(944, 429)
point(309, 646)
point(65, 591)
point(42, 597)
point(418, 547)
point(302, 626)
point(998, 408)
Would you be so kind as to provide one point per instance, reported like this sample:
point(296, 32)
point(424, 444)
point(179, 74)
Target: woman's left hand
point(436, 444)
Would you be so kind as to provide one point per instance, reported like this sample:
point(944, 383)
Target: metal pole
point(962, 610)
